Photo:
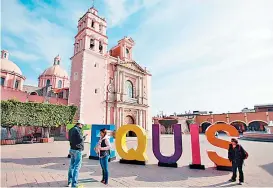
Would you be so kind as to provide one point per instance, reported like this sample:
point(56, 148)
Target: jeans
point(239, 165)
point(104, 167)
point(75, 165)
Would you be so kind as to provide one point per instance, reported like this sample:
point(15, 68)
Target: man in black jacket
point(76, 140)
point(236, 155)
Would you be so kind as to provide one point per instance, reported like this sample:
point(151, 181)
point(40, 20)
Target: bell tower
point(89, 68)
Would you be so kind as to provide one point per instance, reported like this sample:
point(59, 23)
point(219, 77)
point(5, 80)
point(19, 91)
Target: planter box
point(47, 140)
point(19, 140)
point(8, 142)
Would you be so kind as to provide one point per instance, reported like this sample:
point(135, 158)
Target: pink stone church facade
point(108, 87)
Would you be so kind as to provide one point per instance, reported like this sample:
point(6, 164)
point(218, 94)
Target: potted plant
point(8, 135)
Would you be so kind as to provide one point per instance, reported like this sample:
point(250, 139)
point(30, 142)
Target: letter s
point(210, 133)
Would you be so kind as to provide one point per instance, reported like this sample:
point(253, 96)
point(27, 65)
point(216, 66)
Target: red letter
point(195, 148)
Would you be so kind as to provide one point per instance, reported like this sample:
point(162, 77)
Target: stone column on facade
point(97, 43)
point(139, 89)
point(137, 117)
point(116, 116)
point(212, 120)
point(246, 119)
point(121, 116)
point(123, 86)
point(85, 42)
point(124, 51)
point(117, 81)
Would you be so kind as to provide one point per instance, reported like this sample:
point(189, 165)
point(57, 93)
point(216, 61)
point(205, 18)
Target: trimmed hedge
point(35, 114)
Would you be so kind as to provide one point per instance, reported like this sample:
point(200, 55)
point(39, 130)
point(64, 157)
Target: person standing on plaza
point(237, 155)
point(103, 150)
point(76, 140)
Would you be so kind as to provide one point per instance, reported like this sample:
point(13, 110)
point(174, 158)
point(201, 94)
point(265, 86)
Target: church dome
point(7, 65)
point(55, 70)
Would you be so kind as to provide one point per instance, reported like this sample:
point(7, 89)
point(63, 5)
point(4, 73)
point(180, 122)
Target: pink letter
point(195, 148)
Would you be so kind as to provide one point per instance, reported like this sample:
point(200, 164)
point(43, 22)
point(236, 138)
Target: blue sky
point(203, 54)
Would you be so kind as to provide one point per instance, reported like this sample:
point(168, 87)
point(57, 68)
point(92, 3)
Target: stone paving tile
point(44, 165)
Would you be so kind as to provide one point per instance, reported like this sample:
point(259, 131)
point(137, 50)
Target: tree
point(189, 122)
point(35, 114)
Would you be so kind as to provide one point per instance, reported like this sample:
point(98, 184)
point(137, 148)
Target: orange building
point(244, 121)
point(247, 120)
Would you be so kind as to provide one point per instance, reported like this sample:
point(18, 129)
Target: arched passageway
point(167, 123)
point(130, 120)
point(204, 126)
point(220, 122)
point(256, 126)
point(239, 125)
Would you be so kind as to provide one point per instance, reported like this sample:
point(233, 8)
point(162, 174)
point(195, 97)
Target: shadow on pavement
point(268, 168)
point(86, 182)
point(148, 173)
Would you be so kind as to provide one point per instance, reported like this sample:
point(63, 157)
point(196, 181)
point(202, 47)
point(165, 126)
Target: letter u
point(177, 144)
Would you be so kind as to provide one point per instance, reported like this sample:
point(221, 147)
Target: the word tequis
point(139, 154)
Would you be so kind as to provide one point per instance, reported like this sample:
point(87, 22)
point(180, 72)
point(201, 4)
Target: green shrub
point(35, 114)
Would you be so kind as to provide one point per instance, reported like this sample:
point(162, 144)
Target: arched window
point(100, 47)
point(127, 52)
point(77, 46)
point(100, 27)
point(129, 88)
point(2, 81)
point(92, 44)
point(48, 82)
point(60, 84)
point(16, 85)
point(93, 24)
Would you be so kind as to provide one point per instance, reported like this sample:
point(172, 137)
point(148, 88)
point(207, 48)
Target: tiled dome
point(7, 65)
point(56, 69)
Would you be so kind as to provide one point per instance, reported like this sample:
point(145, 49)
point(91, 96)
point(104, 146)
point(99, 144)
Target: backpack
point(246, 154)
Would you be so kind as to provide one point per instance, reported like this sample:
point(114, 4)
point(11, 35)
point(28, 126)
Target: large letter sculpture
point(95, 136)
point(169, 161)
point(220, 162)
point(195, 148)
point(131, 156)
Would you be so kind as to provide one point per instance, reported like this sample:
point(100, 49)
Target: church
point(107, 86)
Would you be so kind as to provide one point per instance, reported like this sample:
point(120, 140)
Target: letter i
point(195, 148)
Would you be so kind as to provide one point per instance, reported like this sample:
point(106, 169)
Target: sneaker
point(232, 180)
point(240, 183)
point(69, 185)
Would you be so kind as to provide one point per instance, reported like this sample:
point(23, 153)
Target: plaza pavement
point(46, 165)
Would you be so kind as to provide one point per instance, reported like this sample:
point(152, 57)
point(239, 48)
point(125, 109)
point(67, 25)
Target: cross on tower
point(93, 3)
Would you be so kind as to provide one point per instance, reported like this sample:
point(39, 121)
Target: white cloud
point(119, 11)
point(31, 82)
point(40, 37)
point(24, 56)
point(9, 42)
point(215, 56)
point(203, 55)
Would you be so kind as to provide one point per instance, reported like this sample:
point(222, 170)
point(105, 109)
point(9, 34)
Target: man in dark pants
point(236, 155)
point(76, 140)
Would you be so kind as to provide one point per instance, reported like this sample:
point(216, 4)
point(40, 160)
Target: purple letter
point(177, 144)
